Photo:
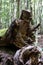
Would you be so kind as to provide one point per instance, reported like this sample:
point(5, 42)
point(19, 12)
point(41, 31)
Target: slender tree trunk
point(34, 10)
point(18, 2)
point(40, 12)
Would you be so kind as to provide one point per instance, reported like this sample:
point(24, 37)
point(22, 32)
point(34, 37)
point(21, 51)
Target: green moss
point(2, 31)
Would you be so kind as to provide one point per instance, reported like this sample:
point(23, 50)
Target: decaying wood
point(28, 56)
point(20, 32)
point(6, 59)
point(26, 15)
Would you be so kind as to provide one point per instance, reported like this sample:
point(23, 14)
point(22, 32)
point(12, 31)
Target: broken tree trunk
point(20, 32)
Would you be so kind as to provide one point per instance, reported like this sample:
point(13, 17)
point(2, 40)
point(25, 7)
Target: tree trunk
point(20, 32)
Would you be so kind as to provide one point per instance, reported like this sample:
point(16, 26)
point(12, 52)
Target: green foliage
point(7, 10)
